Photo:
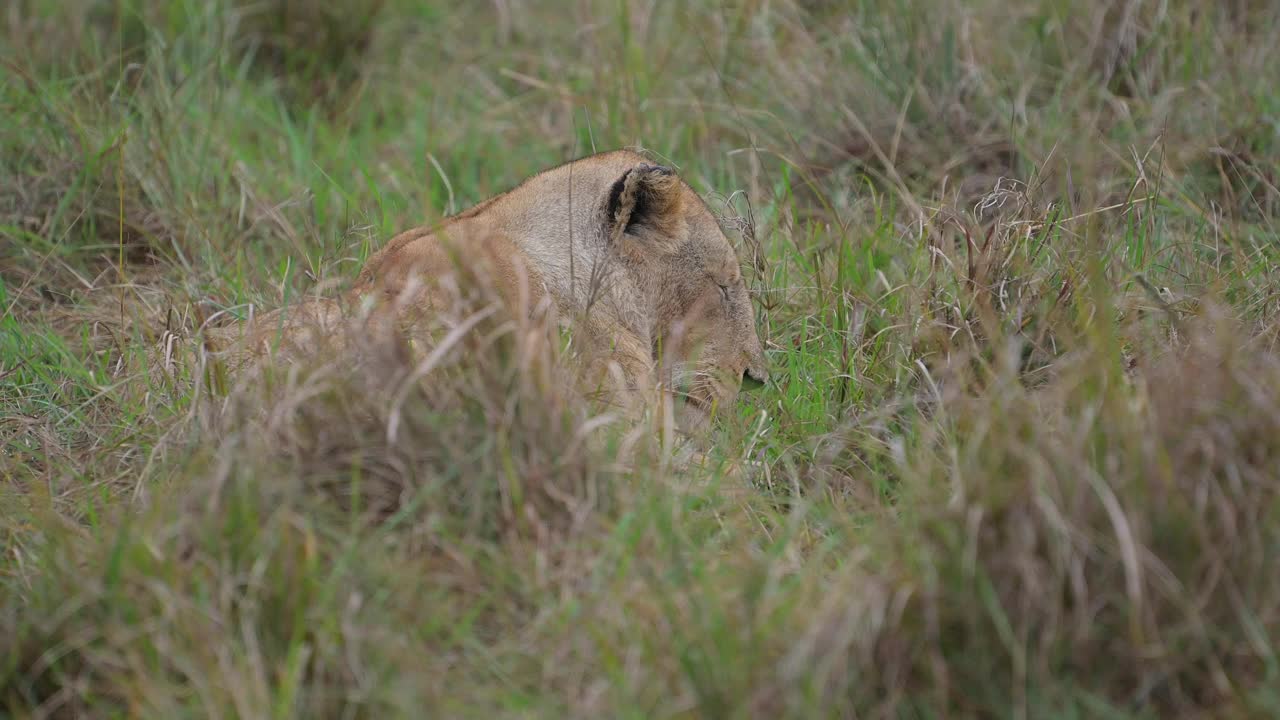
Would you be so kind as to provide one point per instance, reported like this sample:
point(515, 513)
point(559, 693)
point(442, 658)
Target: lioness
point(624, 248)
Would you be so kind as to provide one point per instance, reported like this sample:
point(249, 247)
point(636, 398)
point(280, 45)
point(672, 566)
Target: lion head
point(703, 325)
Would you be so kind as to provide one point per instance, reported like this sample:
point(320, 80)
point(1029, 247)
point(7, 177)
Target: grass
point(1014, 264)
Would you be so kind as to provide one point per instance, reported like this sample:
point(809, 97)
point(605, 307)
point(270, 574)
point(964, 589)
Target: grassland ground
point(1015, 265)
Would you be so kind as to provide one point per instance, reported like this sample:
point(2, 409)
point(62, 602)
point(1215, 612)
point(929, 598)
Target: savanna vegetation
point(1015, 264)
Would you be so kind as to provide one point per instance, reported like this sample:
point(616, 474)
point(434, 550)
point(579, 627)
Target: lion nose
point(754, 379)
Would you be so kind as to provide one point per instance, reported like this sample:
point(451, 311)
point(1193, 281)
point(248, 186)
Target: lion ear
point(645, 196)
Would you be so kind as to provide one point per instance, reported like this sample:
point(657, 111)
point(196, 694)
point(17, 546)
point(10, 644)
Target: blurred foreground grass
point(1016, 267)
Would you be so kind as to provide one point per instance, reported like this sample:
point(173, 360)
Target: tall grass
point(1014, 266)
